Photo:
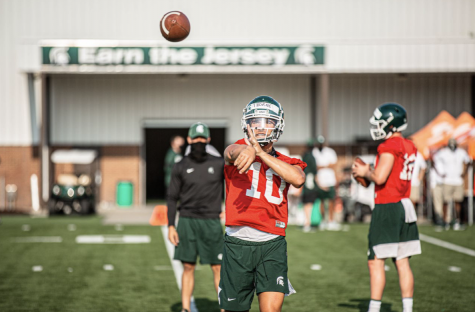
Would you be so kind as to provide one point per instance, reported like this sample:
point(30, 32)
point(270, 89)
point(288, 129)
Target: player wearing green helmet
point(257, 184)
point(393, 230)
point(388, 119)
point(265, 116)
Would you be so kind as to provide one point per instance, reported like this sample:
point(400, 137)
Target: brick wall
point(17, 164)
point(119, 163)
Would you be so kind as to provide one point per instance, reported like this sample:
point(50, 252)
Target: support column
point(313, 107)
point(470, 195)
point(44, 139)
point(324, 100)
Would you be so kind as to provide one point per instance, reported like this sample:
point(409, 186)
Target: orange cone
point(159, 216)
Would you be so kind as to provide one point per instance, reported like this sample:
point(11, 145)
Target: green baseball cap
point(198, 129)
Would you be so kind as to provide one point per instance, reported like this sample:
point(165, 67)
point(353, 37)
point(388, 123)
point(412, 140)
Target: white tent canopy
point(74, 156)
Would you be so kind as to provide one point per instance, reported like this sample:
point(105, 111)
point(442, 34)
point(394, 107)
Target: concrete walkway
point(138, 215)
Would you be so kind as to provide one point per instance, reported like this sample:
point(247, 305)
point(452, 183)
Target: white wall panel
point(353, 99)
point(89, 109)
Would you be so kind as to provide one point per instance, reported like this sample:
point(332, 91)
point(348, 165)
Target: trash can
point(125, 193)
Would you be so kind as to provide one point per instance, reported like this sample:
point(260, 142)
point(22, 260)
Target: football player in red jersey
point(257, 182)
point(393, 231)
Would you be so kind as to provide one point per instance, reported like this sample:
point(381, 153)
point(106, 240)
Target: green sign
point(209, 55)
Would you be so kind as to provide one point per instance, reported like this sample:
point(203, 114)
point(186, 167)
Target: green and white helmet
point(259, 114)
point(386, 120)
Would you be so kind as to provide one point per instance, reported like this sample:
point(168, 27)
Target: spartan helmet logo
point(200, 129)
point(59, 56)
point(305, 55)
point(280, 281)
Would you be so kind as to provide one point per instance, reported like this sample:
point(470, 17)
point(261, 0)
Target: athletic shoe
point(322, 226)
point(333, 226)
point(308, 229)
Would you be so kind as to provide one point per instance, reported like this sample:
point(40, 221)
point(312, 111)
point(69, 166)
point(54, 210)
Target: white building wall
point(352, 31)
point(110, 109)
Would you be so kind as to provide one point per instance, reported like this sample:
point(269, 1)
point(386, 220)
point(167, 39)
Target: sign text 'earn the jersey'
point(306, 55)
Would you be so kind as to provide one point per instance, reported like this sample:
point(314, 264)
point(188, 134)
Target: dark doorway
point(157, 143)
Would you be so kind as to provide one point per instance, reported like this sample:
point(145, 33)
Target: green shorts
point(326, 194)
point(251, 266)
point(199, 237)
point(390, 236)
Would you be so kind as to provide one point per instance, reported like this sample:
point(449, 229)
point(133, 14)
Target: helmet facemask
point(377, 129)
point(264, 129)
point(382, 129)
point(265, 117)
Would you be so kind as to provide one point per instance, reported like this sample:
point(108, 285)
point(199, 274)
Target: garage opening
point(157, 143)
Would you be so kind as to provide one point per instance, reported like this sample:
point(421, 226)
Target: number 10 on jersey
point(253, 192)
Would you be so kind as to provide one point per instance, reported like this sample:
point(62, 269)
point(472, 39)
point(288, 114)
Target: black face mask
point(198, 152)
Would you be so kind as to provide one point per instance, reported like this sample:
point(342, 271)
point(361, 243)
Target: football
point(363, 181)
point(175, 26)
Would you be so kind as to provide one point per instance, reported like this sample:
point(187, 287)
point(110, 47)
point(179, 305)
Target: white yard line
point(113, 239)
point(176, 264)
point(37, 239)
point(444, 244)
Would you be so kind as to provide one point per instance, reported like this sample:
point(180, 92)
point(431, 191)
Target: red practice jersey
point(258, 198)
point(398, 185)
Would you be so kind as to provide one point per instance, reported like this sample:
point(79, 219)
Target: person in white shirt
point(454, 162)
point(418, 172)
point(326, 159)
point(436, 183)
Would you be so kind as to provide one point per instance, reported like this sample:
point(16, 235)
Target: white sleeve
point(437, 156)
point(422, 162)
point(334, 157)
point(466, 158)
point(210, 149)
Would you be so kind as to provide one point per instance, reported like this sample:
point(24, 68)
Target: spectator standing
point(326, 159)
point(454, 162)
point(418, 173)
point(436, 185)
point(197, 182)
point(174, 155)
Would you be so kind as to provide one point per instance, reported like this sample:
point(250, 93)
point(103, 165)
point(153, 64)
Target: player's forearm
point(289, 173)
point(171, 212)
point(376, 177)
point(380, 174)
point(232, 152)
point(172, 200)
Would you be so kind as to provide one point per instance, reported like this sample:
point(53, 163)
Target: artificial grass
point(342, 284)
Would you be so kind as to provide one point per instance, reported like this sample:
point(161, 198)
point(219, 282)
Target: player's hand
point(252, 141)
point(245, 159)
point(359, 170)
point(173, 235)
point(248, 155)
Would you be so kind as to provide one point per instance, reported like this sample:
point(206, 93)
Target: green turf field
point(73, 276)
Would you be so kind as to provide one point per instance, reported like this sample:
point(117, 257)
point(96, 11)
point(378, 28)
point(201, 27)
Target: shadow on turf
point(362, 305)
point(202, 304)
